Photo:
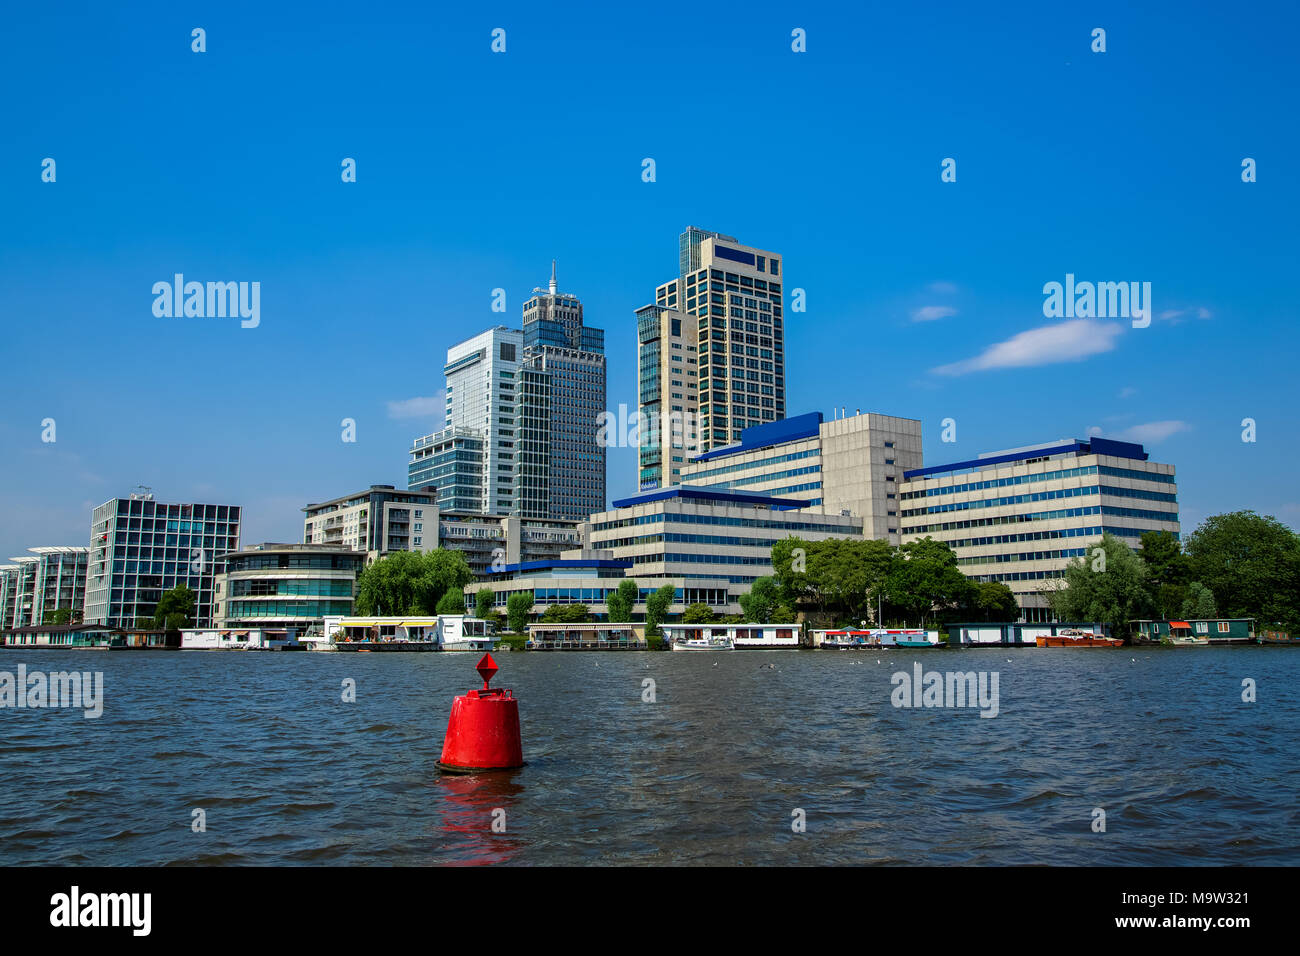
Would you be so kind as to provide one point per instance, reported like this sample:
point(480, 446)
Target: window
point(1224, 627)
point(1202, 627)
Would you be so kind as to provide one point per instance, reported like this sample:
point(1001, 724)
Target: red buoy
point(483, 729)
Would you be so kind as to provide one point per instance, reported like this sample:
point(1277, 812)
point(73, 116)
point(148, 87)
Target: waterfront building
point(21, 577)
point(60, 582)
point(1011, 633)
point(734, 294)
point(8, 594)
point(587, 636)
point(1020, 516)
point(586, 577)
point(853, 464)
point(375, 521)
point(491, 543)
point(60, 635)
point(141, 548)
point(285, 587)
point(709, 534)
point(667, 394)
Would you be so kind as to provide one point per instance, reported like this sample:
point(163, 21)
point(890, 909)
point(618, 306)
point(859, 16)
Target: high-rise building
point(21, 598)
point(560, 462)
point(141, 548)
point(667, 393)
point(733, 291)
point(482, 396)
point(1020, 516)
point(852, 464)
point(8, 594)
point(522, 414)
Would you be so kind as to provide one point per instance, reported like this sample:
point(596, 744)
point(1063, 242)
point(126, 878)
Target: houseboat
point(444, 632)
point(1180, 635)
point(740, 636)
point(588, 636)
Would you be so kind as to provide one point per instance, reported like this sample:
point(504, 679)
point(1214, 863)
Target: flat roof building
point(853, 463)
point(708, 534)
point(286, 586)
point(141, 548)
point(1020, 516)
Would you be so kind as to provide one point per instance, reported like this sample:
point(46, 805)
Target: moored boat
point(1180, 635)
point(720, 643)
point(1073, 637)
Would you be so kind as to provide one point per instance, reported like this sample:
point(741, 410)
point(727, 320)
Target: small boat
point(1180, 635)
point(705, 644)
point(1073, 637)
point(846, 640)
point(1278, 639)
point(913, 639)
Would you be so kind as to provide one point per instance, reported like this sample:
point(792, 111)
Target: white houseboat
point(443, 632)
point(740, 636)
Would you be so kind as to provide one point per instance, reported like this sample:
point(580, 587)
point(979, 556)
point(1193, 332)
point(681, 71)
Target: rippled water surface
point(287, 773)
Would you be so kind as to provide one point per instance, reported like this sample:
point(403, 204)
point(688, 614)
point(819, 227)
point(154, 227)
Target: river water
point(735, 754)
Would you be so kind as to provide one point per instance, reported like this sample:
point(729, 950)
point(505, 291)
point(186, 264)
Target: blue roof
point(711, 494)
point(1094, 446)
point(595, 563)
point(769, 433)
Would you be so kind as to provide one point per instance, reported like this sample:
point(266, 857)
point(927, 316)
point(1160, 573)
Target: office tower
point(560, 465)
point(523, 413)
point(482, 395)
point(734, 293)
point(141, 548)
point(59, 583)
point(667, 394)
point(1020, 516)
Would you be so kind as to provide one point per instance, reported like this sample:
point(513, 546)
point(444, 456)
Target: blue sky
point(475, 169)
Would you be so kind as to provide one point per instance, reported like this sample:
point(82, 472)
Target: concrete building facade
point(851, 464)
point(375, 521)
point(708, 536)
point(1020, 516)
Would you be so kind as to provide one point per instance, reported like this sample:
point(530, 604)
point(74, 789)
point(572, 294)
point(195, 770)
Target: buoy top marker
point(487, 669)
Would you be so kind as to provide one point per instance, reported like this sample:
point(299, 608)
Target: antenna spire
point(552, 277)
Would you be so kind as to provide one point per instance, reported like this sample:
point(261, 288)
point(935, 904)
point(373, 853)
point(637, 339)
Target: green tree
point(656, 608)
point(58, 616)
point(452, 602)
point(1108, 588)
point(519, 607)
point(566, 614)
point(698, 613)
point(485, 603)
point(622, 601)
point(1168, 571)
point(175, 609)
point(993, 601)
point(1199, 602)
point(1251, 564)
point(411, 582)
point(924, 580)
point(761, 601)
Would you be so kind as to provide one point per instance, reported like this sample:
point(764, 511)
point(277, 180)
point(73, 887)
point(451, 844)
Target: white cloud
point(1127, 391)
point(1094, 431)
point(1152, 432)
point(1070, 341)
point(432, 406)
point(1203, 313)
point(943, 288)
point(928, 313)
point(1148, 433)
